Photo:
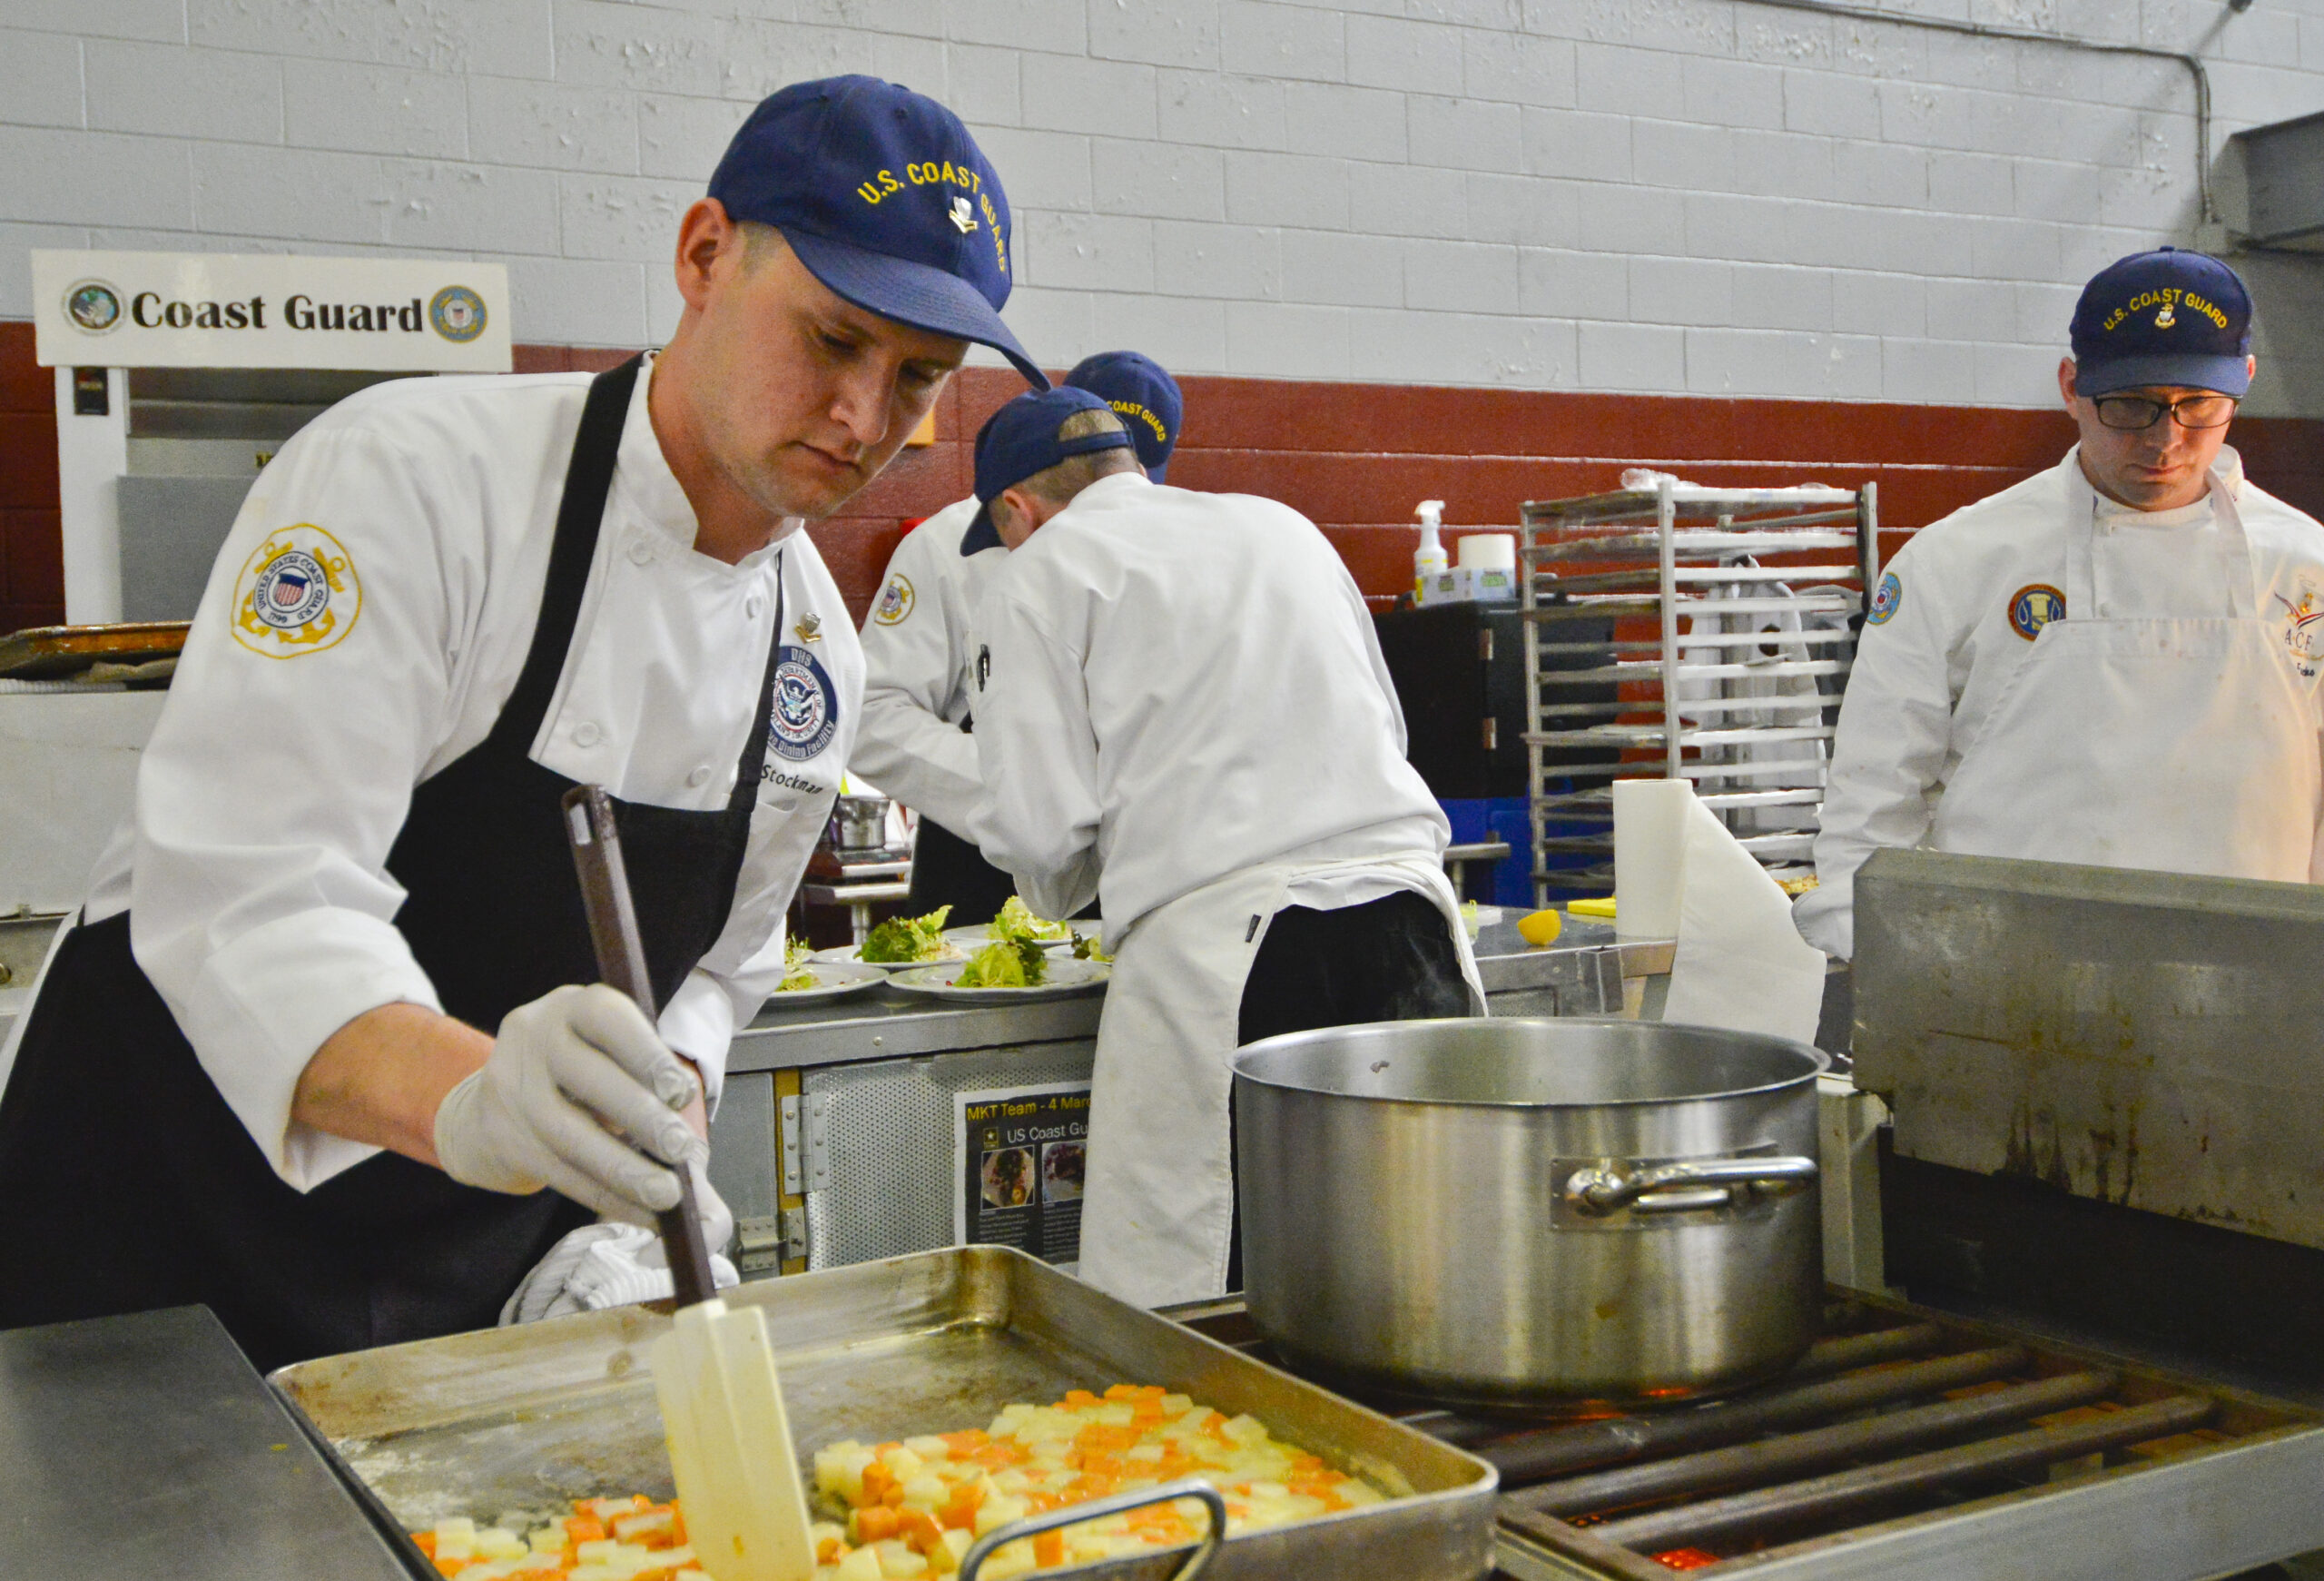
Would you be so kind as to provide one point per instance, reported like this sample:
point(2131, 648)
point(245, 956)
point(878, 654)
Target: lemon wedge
point(1601, 906)
point(1540, 927)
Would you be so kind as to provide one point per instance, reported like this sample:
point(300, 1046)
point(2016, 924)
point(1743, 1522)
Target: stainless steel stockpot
point(1531, 1210)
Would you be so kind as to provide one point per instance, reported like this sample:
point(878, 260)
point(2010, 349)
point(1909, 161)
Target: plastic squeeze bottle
point(1428, 561)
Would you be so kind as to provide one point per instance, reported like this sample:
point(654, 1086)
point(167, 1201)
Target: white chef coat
point(919, 675)
point(1217, 646)
point(1182, 710)
point(254, 863)
point(1935, 680)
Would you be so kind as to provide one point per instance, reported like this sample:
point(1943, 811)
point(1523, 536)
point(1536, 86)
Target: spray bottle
point(1428, 561)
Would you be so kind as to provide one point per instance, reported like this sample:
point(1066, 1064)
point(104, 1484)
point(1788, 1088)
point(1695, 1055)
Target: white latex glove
point(567, 1072)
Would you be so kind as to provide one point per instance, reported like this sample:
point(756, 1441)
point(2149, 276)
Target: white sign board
point(181, 310)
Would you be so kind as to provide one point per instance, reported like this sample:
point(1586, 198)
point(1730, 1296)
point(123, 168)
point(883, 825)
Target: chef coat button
point(641, 552)
point(699, 777)
point(586, 733)
point(752, 605)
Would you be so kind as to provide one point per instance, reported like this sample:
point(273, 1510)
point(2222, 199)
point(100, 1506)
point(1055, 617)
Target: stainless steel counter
point(145, 1446)
point(1579, 975)
point(834, 1141)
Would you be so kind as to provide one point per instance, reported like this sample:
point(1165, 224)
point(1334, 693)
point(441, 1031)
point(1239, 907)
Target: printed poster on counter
point(1019, 1158)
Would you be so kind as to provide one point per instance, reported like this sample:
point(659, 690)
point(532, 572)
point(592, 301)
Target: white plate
point(976, 938)
point(849, 955)
point(832, 980)
point(1068, 977)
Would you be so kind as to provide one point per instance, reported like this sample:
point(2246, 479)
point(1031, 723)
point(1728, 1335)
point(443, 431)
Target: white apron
point(1157, 1212)
point(2179, 745)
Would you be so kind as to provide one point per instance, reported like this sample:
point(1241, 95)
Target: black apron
point(134, 1186)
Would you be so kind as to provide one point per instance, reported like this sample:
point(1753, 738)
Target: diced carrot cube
point(918, 1528)
point(425, 1542)
point(451, 1567)
point(827, 1552)
point(1048, 1548)
point(876, 1524)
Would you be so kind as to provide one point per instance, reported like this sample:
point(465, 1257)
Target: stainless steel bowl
point(1530, 1212)
point(859, 824)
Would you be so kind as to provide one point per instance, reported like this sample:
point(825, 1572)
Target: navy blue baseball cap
point(2165, 317)
point(1145, 396)
point(886, 199)
point(1023, 438)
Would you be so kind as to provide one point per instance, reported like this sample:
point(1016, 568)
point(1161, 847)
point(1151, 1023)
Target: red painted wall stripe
point(1354, 457)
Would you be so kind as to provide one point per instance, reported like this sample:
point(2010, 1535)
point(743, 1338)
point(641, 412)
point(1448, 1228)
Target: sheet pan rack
point(1727, 618)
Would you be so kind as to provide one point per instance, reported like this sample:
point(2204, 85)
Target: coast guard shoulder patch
point(297, 594)
point(895, 602)
point(1887, 599)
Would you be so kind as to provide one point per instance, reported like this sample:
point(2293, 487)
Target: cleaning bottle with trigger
point(1428, 561)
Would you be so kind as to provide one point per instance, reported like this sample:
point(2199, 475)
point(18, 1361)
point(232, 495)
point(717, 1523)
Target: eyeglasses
point(2189, 411)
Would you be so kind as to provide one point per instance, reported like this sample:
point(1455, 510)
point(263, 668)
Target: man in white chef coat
point(917, 650)
point(2115, 661)
point(313, 1052)
point(1182, 712)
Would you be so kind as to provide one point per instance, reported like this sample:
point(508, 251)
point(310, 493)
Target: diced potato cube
point(862, 1564)
point(929, 1446)
point(904, 1462)
point(899, 1563)
point(499, 1543)
point(929, 1492)
point(998, 1511)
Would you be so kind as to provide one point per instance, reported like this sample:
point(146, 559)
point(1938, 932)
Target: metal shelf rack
point(1738, 684)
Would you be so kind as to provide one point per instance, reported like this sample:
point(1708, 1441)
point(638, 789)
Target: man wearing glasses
point(2114, 662)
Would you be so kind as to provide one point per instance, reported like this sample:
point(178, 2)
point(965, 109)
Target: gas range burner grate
point(1902, 1433)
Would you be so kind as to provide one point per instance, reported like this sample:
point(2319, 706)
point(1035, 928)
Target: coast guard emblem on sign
point(1886, 600)
point(297, 594)
point(2303, 624)
point(895, 602)
point(805, 715)
point(2032, 607)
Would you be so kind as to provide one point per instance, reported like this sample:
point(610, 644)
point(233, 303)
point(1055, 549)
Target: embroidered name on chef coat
point(805, 715)
point(297, 594)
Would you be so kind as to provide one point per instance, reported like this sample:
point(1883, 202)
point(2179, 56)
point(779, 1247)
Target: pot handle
point(1689, 1186)
point(1214, 1504)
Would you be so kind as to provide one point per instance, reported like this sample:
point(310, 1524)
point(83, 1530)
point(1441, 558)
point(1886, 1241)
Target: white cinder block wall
point(1682, 196)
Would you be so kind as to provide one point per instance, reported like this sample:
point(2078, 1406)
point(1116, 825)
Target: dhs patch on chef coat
point(297, 594)
point(805, 715)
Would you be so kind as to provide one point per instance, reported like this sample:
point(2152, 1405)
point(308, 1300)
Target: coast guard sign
point(181, 310)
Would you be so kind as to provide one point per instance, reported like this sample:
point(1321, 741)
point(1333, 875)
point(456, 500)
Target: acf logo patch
point(1887, 599)
point(896, 600)
point(298, 594)
point(2303, 625)
point(2032, 607)
point(805, 715)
